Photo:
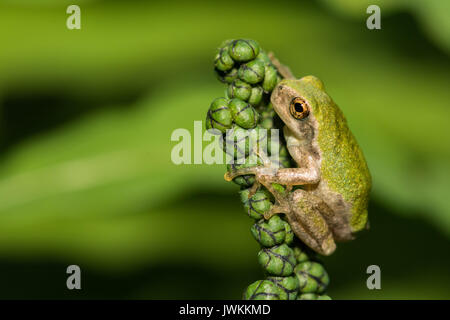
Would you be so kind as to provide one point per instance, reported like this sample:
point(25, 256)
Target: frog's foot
point(230, 175)
point(263, 177)
point(253, 189)
point(276, 209)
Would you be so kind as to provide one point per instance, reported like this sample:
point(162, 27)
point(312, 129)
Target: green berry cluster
point(248, 69)
point(244, 115)
point(291, 267)
point(250, 76)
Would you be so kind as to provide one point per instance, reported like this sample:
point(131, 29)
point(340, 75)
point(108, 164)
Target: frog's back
point(343, 164)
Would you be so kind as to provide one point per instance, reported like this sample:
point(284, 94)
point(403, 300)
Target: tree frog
point(330, 202)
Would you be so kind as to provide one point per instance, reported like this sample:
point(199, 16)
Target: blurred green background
point(85, 123)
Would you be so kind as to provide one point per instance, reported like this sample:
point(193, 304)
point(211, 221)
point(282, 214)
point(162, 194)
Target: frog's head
point(297, 102)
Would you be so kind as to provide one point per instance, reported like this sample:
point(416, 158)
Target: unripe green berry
point(252, 72)
point(242, 50)
point(240, 90)
point(266, 120)
point(240, 143)
point(312, 277)
point(256, 96)
point(289, 239)
point(279, 188)
point(300, 255)
point(262, 290)
point(263, 57)
point(236, 143)
point(285, 157)
point(312, 296)
point(258, 140)
point(278, 260)
point(219, 115)
point(244, 115)
point(223, 60)
point(228, 76)
point(270, 78)
point(288, 286)
point(269, 233)
point(266, 123)
point(258, 204)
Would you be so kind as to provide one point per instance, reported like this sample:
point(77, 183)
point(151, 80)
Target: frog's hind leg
point(308, 222)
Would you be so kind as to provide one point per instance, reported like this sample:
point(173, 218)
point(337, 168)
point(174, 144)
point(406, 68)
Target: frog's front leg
point(284, 176)
point(260, 172)
point(229, 176)
point(266, 176)
point(293, 176)
point(308, 172)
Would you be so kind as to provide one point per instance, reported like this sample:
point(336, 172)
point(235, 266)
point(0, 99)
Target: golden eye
point(299, 108)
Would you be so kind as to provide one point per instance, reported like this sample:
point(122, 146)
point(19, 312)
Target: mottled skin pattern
point(331, 204)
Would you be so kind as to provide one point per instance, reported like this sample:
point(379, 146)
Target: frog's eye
point(299, 108)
